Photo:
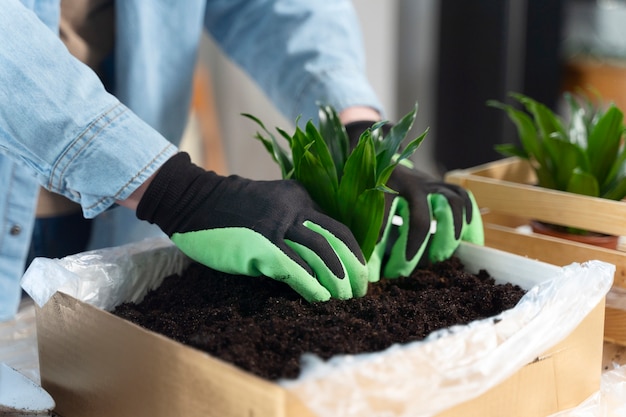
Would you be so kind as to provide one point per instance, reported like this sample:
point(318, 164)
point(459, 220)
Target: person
point(95, 115)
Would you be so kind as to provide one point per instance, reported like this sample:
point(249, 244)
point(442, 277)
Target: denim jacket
point(60, 128)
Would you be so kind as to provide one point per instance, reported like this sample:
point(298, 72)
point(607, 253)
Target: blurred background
point(450, 57)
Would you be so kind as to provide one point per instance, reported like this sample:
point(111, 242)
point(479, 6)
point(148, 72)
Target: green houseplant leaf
point(280, 156)
point(564, 156)
point(583, 155)
point(348, 185)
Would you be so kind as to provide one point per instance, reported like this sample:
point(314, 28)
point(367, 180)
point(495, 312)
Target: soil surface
point(263, 326)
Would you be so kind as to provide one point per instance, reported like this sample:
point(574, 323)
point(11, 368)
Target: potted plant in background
point(569, 173)
point(584, 155)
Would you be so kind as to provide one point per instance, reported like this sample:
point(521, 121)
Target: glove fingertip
point(359, 285)
point(311, 290)
point(443, 253)
point(315, 297)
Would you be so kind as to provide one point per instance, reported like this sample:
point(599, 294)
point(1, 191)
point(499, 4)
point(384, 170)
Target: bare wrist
point(358, 113)
point(133, 200)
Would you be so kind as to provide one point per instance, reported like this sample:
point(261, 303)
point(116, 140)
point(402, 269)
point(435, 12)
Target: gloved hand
point(419, 200)
point(255, 228)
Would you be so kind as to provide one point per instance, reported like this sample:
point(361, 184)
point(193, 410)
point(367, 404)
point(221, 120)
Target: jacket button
point(15, 230)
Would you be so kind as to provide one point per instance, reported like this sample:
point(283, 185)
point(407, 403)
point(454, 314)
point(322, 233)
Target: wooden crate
point(97, 364)
point(508, 199)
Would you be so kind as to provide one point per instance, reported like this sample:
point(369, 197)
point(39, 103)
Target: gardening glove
point(419, 199)
point(255, 228)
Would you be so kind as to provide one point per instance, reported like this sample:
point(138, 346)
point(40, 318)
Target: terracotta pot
point(596, 239)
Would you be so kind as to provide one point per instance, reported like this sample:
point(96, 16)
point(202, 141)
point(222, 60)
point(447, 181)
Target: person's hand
point(419, 200)
point(255, 228)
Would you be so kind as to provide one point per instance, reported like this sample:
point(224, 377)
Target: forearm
point(58, 120)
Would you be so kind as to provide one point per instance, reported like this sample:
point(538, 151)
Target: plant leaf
point(359, 175)
point(604, 141)
point(310, 172)
point(525, 129)
point(617, 171)
point(583, 183)
point(280, 156)
point(323, 154)
point(370, 214)
point(617, 191)
point(548, 124)
point(385, 173)
point(567, 160)
point(389, 146)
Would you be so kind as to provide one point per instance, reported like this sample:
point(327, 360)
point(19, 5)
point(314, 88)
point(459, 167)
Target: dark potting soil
point(264, 327)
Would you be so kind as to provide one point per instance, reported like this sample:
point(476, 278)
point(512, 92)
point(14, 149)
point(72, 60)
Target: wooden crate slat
point(597, 214)
point(553, 250)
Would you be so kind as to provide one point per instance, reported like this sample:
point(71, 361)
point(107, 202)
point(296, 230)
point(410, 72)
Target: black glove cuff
point(356, 129)
point(174, 190)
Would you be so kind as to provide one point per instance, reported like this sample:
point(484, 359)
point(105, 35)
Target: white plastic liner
point(422, 378)
point(105, 277)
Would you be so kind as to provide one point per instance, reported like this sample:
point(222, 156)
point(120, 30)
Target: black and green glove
point(420, 199)
point(255, 228)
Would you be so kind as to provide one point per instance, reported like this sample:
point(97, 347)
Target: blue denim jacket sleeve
point(61, 129)
point(299, 52)
point(57, 119)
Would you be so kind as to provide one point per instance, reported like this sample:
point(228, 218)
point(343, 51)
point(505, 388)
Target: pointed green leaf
point(604, 142)
point(411, 147)
point(359, 174)
point(280, 156)
point(583, 183)
point(367, 220)
point(310, 172)
point(525, 129)
point(547, 122)
point(323, 154)
point(617, 170)
point(383, 176)
point(617, 190)
point(335, 137)
point(389, 146)
point(567, 160)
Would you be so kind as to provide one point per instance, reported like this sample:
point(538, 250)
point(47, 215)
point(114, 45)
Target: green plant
point(348, 185)
point(583, 155)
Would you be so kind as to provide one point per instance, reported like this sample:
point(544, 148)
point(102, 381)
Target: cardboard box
point(505, 192)
point(536, 359)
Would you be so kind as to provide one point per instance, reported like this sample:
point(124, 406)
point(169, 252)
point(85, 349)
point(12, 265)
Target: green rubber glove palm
point(255, 228)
